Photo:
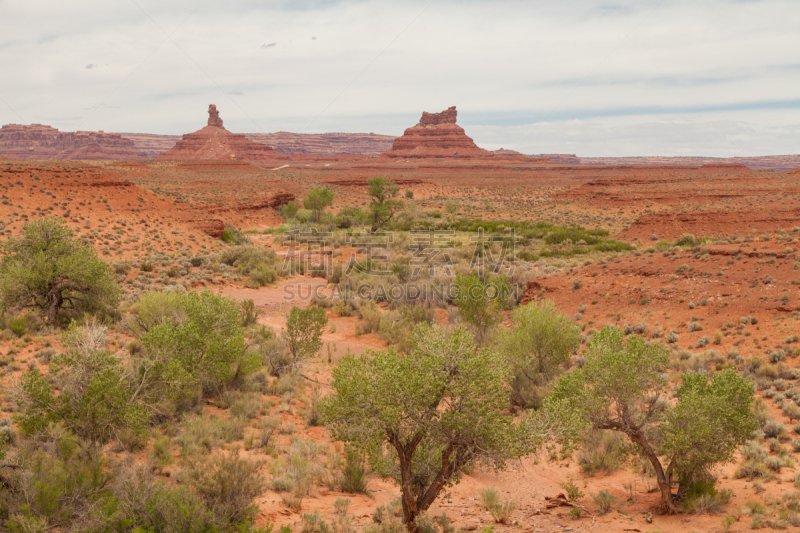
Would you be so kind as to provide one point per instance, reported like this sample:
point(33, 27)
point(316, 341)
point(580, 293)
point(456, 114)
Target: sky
point(592, 78)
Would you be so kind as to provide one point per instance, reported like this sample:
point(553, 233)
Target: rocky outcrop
point(37, 141)
point(215, 142)
point(213, 116)
point(436, 136)
point(213, 227)
point(324, 143)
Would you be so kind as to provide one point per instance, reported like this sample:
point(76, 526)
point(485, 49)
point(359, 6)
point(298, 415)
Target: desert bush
point(773, 429)
point(701, 496)
point(257, 262)
point(54, 490)
point(227, 484)
point(233, 235)
point(541, 340)
point(603, 451)
point(354, 472)
point(94, 400)
point(370, 316)
point(154, 308)
point(751, 470)
point(604, 501)
point(204, 351)
point(201, 435)
point(574, 493)
point(249, 313)
point(274, 356)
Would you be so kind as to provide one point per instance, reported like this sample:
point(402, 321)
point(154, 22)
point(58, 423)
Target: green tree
point(289, 210)
point(46, 268)
point(202, 344)
point(317, 200)
point(623, 387)
point(303, 333)
point(426, 415)
point(540, 341)
point(94, 401)
point(384, 203)
point(479, 303)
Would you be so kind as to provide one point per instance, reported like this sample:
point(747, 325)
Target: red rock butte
point(215, 142)
point(436, 136)
point(38, 142)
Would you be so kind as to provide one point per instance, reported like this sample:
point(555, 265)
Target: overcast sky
point(595, 78)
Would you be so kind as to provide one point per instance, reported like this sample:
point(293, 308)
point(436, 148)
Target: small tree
point(432, 412)
point(46, 268)
point(317, 200)
point(384, 203)
point(201, 344)
point(479, 304)
point(623, 387)
point(94, 401)
point(303, 333)
point(541, 340)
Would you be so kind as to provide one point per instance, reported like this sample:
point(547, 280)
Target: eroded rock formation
point(213, 116)
point(436, 136)
point(215, 142)
point(37, 141)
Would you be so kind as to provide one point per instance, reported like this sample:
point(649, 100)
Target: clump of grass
point(604, 501)
point(500, 511)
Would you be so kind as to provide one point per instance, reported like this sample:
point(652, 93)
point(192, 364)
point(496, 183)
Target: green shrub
point(574, 493)
point(228, 485)
point(603, 451)
point(604, 501)
point(18, 325)
point(233, 235)
point(249, 313)
point(354, 477)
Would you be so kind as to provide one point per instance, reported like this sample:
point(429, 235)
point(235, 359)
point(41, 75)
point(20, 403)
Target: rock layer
point(436, 136)
point(37, 141)
point(215, 142)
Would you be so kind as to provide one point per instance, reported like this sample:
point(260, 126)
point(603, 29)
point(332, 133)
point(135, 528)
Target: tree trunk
point(665, 506)
point(405, 453)
point(410, 509)
point(55, 301)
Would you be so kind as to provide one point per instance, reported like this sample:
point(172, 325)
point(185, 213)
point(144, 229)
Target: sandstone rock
point(212, 227)
point(37, 141)
point(436, 136)
point(215, 142)
point(324, 143)
point(213, 116)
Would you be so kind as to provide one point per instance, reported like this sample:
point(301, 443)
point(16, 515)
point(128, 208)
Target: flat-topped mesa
point(213, 116)
point(37, 141)
point(215, 142)
point(436, 136)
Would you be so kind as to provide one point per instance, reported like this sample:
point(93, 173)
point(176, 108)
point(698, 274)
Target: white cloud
point(623, 78)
